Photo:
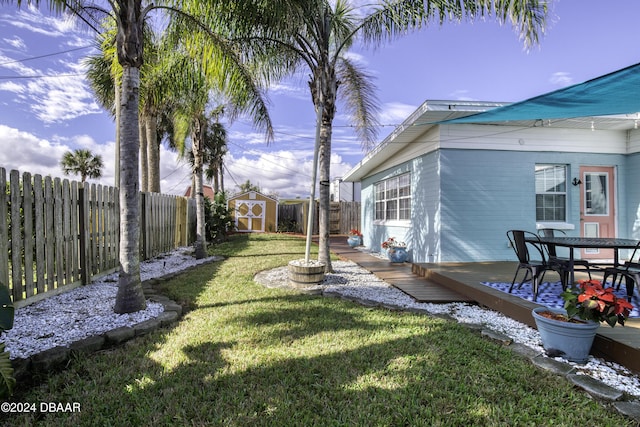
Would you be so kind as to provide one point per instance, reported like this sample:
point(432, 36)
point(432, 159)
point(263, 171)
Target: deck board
point(400, 276)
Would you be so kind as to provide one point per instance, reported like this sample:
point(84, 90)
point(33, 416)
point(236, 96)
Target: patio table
point(572, 243)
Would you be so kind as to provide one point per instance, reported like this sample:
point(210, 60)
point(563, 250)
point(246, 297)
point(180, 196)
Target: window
point(393, 198)
point(551, 193)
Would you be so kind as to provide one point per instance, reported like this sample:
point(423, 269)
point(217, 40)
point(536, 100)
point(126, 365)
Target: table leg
point(571, 264)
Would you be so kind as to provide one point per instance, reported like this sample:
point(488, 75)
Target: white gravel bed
point(86, 311)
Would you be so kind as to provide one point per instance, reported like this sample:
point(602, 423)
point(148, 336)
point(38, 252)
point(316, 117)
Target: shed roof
point(247, 193)
point(207, 190)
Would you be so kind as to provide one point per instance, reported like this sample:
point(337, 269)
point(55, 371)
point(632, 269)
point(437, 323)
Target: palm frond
point(396, 18)
point(359, 95)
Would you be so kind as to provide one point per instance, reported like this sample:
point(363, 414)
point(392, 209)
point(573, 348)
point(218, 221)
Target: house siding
point(464, 201)
point(486, 193)
point(632, 199)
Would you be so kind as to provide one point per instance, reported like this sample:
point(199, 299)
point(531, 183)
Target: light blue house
point(452, 188)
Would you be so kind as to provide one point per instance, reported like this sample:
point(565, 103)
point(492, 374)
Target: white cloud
point(41, 156)
point(461, 95)
point(290, 89)
point(16, 66)
point(12, 87)
point(27, 153)
point(61, 98)
point(58, 96)
point(561, 78)
point(394, 113)
point(357, 58)
point(31, 19)
point(55, 94)
point(285, 173)
point(16, 42)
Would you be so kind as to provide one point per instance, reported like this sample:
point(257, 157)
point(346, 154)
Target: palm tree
point(191, 120)
point(129, 16)
point(103, 73)
point(319, 34)
point(82, 162)
point(215, 150)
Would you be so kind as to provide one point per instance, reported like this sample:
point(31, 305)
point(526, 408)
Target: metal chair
point(563, 262)
point(630, 270)
point(535, 265)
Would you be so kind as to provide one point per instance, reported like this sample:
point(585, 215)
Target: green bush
point(219, 221)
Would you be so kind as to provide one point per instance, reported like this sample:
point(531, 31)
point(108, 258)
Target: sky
point(47, 108)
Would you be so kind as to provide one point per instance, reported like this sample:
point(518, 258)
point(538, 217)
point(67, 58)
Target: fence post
point(83, 223)
point(4, 232)
point(144, 221)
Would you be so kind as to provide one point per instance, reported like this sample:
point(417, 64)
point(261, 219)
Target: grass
point(247, 355)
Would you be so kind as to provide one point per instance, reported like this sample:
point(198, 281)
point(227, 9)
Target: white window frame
point(565, 192)
point(393, 200)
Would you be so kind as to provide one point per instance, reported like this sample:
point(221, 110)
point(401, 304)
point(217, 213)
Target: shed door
point(597, 213)
point(250, 215)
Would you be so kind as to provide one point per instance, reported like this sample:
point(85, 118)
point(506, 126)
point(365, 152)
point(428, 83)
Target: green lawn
point(247, 355)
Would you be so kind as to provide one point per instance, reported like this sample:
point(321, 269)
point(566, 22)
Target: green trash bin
point(6, 309)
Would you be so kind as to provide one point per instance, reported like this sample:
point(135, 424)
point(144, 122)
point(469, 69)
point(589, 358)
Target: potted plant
point(569, 333)
point(396, 250)
point(355, 238)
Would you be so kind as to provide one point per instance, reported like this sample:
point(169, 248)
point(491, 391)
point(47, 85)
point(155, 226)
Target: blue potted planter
point(354, 241)
point(397, 254)
point(568, 340)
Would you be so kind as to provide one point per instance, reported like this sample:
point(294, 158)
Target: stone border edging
point(25, 370)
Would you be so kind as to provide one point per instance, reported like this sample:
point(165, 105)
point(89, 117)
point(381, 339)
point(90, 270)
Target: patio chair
point(630, 271)
point(563, 262)
point(535, 265)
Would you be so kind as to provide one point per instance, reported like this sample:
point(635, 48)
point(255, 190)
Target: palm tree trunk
point(216, 181)
point(221, 171)
point(324, 159)
point(129, 297)
point(144, 160)
point(198, 160)
point(117, 108)
point(153, 155)
point(328, 87)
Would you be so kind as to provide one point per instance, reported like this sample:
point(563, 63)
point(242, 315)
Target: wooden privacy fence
point(343, 216)
point(55, 234)
point(346, 215)
point(167, 222)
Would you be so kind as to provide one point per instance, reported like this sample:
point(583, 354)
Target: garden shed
point(254, 212)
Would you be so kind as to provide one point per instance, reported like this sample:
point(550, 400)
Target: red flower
point(594, 302)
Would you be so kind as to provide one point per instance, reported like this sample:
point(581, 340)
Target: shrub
point(219, 221)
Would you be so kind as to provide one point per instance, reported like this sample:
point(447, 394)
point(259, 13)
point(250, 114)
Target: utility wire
point(39, 76)
point(45, 55)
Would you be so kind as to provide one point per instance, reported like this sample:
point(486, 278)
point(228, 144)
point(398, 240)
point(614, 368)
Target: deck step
point(428, 291)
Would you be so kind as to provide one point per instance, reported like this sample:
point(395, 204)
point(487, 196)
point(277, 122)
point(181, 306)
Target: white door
point(250, 215)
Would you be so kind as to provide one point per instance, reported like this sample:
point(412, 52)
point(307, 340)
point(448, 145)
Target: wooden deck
point(451, 282)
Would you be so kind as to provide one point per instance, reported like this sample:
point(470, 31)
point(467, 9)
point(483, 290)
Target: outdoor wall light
point(576, 181)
